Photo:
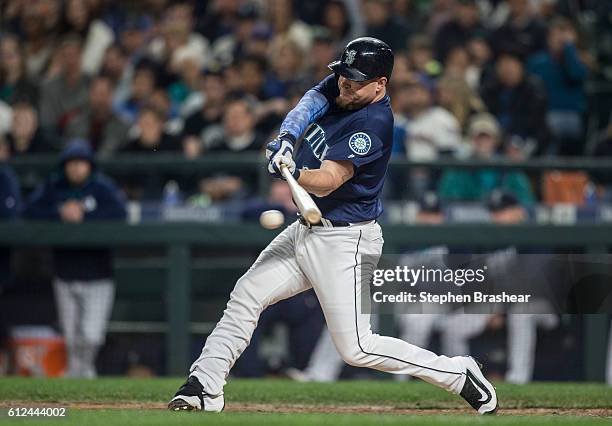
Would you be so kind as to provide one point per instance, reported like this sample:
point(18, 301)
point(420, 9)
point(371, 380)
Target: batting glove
point(280, 151)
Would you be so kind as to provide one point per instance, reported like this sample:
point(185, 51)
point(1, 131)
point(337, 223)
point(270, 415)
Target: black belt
point(334, 223)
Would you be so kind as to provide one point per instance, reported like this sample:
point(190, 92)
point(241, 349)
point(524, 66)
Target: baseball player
point(347, 124)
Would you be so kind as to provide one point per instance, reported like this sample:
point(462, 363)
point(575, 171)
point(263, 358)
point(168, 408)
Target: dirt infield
point(339, 409)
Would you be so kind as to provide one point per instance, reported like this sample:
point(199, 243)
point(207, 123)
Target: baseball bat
point(307, 206)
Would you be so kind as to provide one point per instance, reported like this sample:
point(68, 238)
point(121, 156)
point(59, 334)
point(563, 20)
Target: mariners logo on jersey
point(315, 138)
point(360, 143)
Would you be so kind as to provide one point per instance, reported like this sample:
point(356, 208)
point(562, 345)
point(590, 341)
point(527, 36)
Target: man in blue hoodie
point(83, 286)
point(563, 73)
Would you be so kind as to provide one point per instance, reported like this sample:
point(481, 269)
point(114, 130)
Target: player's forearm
point(325, 180)
point(310, 108)
point(318, 182)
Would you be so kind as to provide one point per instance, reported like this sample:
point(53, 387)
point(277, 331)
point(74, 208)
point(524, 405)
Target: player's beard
point(347, 102)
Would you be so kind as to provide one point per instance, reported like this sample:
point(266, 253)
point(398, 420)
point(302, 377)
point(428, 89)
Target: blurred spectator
point(231, 46)
point(411, 13)
point(517, 100)
point(178, 41)
point(220, 19)
point(10, 14)
point(523, 32)
point(117, 67)
point(563, 74)
point(281, 15)
point(421, 57)
point(80, 19)
point(457, 62)
point(233, 77)
point(14, 82)
point(432, 130)
point(114, 64)
point(142, 86)
point(383, 24)
point(213, 93)
point(237, 132)
point(97, 122)
point(476, 185)
point(343, 25)
point(133, 36)
point(219, 189)
point(481, 64)
point(148, 137)
point(161, 102)
point(430, 210)
point(252, 75)
point(259, 41)
point(6, 118)
point(38, 43)
point(287, 66)
point(400, 100)
point(25, 136)
point(84, 290)
point(149, 134)
point(505, 208)
point(440, 12)
point(403, 72)
point(321, 55)
point(464, 25)
point(456, 96)
point(186, 84)
point(57, 109)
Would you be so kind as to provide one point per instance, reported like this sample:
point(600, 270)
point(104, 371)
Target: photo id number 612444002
point(36, 412)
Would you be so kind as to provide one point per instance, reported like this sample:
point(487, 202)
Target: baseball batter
point(347, 127)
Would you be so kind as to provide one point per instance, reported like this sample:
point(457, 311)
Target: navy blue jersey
point(364, 137)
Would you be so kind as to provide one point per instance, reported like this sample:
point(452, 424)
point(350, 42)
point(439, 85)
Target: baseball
point(271, 219)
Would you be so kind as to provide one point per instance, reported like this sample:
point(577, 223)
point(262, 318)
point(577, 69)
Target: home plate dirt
point(336, 409)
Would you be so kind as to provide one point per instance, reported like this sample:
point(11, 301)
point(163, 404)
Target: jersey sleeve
point(328, 87)
point(359, 147)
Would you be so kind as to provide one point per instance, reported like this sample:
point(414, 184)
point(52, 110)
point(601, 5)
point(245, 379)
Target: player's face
point(356, 94)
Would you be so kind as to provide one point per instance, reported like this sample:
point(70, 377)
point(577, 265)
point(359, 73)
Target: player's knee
point(352, 355)
point(355, 358)
point(245, 295)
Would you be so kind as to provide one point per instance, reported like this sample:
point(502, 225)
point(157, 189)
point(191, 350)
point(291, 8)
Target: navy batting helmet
point(363, 59)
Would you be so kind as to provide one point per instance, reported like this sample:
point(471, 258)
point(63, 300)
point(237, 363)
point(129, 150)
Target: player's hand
point(274, 167)
point(280, 151)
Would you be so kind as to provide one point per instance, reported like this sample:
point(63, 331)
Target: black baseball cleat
point(477, 390)
point(191, 396)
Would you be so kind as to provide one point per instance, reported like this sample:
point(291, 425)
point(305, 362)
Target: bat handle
point(285, 172)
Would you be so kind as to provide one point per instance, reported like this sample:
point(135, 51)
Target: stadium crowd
point(472, 79)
